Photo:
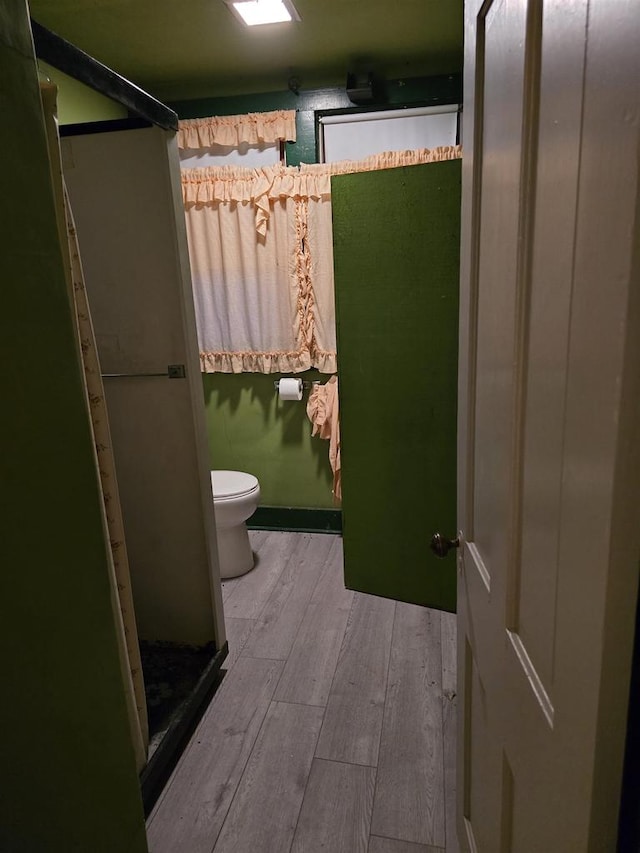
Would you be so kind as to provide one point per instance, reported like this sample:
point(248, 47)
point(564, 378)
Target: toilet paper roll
point(290, 388)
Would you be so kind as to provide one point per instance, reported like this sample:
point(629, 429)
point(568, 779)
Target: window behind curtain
point(251, 156)
point(354, 136)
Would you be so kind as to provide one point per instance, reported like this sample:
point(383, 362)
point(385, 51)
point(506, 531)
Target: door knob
point(441, 546)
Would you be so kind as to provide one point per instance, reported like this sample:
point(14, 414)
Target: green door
point(396, 240)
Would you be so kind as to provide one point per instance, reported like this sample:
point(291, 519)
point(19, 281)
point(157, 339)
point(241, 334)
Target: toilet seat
point(228, 485)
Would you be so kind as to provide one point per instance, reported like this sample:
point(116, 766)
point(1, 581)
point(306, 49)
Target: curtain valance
point(233, 131)
point(261, 250)
point(225, 184)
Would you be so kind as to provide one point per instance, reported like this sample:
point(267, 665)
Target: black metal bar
point(173, 371)
point(110, 125)
point(131, 375)
point(76, 63)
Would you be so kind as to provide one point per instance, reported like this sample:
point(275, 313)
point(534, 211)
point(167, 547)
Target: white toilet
point(235, 498)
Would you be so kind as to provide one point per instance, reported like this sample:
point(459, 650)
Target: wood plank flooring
point(334, 728)
point(409, 803)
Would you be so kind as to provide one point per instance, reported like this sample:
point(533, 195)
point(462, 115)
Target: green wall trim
point(298, 519)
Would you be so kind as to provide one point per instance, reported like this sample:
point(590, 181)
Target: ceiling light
point(255, 12)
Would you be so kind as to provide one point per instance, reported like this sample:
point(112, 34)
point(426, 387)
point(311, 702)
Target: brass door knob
point(441, 546)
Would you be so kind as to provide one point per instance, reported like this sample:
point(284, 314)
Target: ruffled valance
point(225, 184)
point(385, 160)
point(265, 302)
point(232, 131)
point(255, 362)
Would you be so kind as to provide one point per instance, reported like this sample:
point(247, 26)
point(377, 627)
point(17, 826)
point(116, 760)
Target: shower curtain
point(119, 578)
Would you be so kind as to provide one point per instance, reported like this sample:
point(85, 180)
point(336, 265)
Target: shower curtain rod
point(68, 58)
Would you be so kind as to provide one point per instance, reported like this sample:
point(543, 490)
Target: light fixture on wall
point(256, 12)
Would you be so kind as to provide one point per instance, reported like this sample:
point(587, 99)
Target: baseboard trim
point(297, 519)
point(156, 772)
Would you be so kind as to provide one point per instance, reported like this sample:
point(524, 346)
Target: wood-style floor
point(334, 729)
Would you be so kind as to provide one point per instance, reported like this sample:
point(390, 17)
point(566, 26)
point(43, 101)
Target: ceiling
point(194, 48)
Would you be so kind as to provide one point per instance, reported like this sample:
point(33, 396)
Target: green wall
point(248, 429)
point(78, 103)
point(251, 429)
point(69, 781)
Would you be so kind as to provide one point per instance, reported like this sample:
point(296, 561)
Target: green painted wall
point(78, 103)
point(247, 430)
point(69, 779)
point(251, 429)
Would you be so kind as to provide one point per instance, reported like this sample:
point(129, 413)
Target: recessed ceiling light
point(255, 12)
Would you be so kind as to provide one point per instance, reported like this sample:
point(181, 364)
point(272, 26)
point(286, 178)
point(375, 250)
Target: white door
point(549, 486)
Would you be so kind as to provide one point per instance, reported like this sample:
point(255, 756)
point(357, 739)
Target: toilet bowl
point(235, 499)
